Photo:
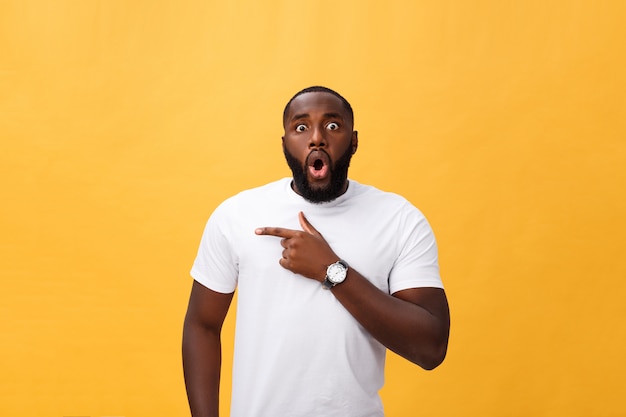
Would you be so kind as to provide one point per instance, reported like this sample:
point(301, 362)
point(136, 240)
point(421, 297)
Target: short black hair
point(319, 89)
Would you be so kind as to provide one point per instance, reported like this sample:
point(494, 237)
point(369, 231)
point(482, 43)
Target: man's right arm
point(202, 353)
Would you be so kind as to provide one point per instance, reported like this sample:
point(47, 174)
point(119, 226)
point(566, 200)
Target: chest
point(368, 240)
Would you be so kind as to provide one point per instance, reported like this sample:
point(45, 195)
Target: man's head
point(319, 89)
point(319, 142)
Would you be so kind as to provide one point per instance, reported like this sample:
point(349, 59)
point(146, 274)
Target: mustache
point(314, 153)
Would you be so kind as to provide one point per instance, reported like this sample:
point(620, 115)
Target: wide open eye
point(300, 128)
point(332, 126)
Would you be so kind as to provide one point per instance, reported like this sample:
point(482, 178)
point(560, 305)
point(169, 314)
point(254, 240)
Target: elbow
point(434, 348)
point(429, 357)
point(432, 361)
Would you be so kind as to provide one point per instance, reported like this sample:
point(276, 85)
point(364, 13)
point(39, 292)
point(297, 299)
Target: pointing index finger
point(275, 231)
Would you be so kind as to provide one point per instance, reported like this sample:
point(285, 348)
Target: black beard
point(338, 177)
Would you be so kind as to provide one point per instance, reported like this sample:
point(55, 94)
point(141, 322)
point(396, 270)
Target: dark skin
point(202, 349)
point(414, 323)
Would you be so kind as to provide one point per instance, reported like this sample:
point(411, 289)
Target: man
point(329, 274)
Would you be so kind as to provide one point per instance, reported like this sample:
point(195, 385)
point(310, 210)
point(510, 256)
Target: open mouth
point(318, 163)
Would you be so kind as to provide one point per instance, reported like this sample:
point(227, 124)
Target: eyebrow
point(333, 116)
point(326, 116)
point(300, 116)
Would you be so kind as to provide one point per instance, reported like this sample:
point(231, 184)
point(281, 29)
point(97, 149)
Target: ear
point(355, 141)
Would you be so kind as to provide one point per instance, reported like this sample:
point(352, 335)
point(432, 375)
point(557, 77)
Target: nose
point(317, 139)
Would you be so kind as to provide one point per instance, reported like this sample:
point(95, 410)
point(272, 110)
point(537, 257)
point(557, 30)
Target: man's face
point(318, 145)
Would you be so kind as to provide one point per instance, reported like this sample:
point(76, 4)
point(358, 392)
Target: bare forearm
point(407, 328)
point(202, 364)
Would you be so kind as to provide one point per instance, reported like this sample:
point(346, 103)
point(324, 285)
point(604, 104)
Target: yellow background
point(124, 123)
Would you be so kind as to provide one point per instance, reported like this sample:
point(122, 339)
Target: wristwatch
point(335, 274)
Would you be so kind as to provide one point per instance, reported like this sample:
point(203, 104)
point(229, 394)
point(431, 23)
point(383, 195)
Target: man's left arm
point(414, 323)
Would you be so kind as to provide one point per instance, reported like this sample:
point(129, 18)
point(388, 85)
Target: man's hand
point(305, 252)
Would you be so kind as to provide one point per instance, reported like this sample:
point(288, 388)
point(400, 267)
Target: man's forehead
point(316, 102)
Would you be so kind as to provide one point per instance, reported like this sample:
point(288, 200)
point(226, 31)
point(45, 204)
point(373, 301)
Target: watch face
point(336, 273)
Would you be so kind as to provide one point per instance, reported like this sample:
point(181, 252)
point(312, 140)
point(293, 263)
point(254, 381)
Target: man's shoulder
point(274, 187)
point(257, 194)
point(376, 194)
point(247, 201)
point(383, 202)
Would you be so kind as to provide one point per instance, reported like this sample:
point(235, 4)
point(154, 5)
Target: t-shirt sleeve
point(417, 264)
point(216, 266)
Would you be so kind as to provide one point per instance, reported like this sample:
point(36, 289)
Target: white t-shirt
point(298, 352)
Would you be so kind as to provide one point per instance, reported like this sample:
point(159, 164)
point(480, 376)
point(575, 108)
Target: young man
point(329, 274)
